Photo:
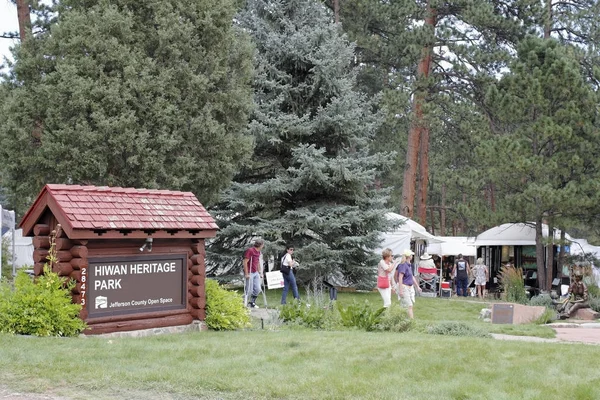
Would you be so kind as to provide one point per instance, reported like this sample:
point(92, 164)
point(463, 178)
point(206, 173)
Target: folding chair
point(428, 281)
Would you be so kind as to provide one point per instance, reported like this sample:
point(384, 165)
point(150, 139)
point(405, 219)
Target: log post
point(41, 230)
point(41, 242)
point(196, 283)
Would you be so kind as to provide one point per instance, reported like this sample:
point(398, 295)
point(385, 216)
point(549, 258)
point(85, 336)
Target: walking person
point(384, 269)
point(253, 272)
point(406, 283)
point(461, 270)
point(287, 270)
point(482, 275)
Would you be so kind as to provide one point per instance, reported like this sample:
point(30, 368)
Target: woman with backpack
point(287, 270)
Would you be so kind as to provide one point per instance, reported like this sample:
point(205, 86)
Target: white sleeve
point(287, 259)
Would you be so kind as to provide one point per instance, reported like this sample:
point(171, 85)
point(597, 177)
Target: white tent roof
point(416, 230)
point(23, 248)
point(399, 239)
point(453, 245)
point(518, 234)
point(580, 246)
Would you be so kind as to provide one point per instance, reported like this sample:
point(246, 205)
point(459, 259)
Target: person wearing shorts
point(407, 283)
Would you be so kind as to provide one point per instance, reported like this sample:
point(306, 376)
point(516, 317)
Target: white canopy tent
point(23, 248)
point(453, 246)
point(581, 246)
point(399, 239)
point(524, 235)
point(517, 234)
point(520, 234)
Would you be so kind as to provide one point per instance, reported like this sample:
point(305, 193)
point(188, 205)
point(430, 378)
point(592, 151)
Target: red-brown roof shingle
point(102, 207)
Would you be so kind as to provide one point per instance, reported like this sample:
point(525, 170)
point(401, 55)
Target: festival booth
point(448, 248)
point(23, 249)
point(7, 228)
point(408, 235)
point(136, 255)
point(453, 246)
point(511, 242)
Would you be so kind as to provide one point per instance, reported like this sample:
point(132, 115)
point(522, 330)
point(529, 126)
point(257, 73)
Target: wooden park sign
point(136, 255)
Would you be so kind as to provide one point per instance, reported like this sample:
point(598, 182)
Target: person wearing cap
point(406, 282)
point(577, 299)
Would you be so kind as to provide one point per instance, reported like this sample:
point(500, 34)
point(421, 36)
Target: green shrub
point(594, 303)
point(593, 291)
point(43, 308)
point(6, 271)
point(513, 285)
point(549, 315)
point(361, 316)
point(457, 329)
point(543, 299)
point(305, 314)
point(225, 309)
point(395, 319)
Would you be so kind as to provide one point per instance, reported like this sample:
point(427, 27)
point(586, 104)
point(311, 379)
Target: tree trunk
point(336, 10)
point(23, 17)
point(550, 256)
point(418, 124)
point(539, 253)
point(412, 155)
point(443, 211)
point(492, 197)
point(561, 253)
point(423, 176)
point(548, 20)
point(432, 216)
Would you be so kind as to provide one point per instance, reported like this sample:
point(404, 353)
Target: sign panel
point(131, 285)
point(274, 280)
point(502, 313)
point(7, 220)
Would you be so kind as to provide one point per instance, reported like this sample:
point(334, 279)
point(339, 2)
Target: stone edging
point(195, 326)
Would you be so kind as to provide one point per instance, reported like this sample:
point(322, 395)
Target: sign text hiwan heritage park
point(139, 284)
point(136, 255)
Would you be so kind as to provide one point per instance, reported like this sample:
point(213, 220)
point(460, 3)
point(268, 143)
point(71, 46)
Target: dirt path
point(581, 333)
point(8, 394)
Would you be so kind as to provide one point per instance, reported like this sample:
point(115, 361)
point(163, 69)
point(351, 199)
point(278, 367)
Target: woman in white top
point(287, 270)
point(481, 277)
point(384, 269)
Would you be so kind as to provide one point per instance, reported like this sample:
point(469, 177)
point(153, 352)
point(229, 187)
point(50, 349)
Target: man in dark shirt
point(461, 270)
point(253, 272)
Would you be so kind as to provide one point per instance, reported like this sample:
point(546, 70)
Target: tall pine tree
point(311, 181)
point(126, 93)
point(545, 135)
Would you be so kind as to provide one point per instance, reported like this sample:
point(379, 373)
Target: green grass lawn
point(299, 364)
point(296, 363)
point(433, 310)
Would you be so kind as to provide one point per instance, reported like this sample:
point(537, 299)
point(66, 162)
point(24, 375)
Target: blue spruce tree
point(311, 180)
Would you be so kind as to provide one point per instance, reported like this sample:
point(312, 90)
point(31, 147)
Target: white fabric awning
point(518, 234)
point(399, 239)
point(453, 245)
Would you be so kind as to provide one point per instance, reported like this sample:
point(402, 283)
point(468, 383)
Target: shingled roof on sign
point(86, 212)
